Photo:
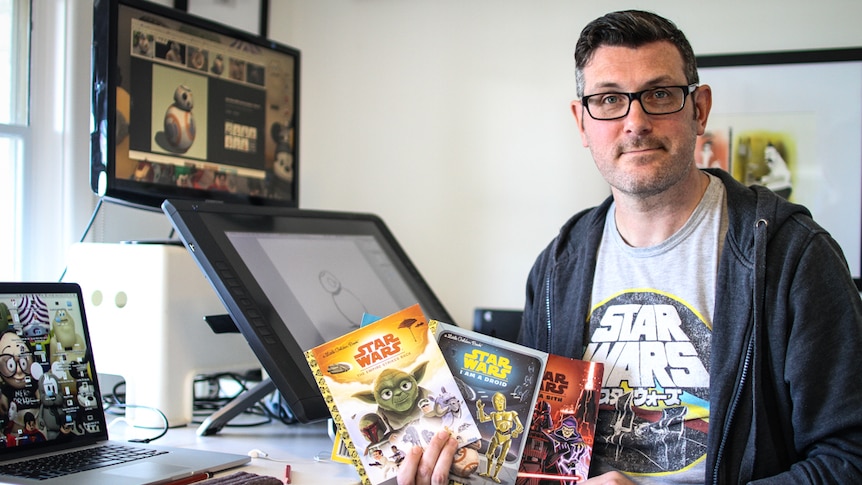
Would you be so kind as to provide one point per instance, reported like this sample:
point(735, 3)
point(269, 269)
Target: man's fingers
point(407, 472)
point(432, 466)
point(440, 475)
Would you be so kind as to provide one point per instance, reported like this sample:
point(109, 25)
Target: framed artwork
point(249, 15)
point(792, 122)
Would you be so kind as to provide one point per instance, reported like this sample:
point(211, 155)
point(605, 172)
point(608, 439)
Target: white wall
point(450, 119)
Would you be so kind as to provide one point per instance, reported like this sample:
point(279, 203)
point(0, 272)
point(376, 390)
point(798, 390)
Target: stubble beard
point(644, 183)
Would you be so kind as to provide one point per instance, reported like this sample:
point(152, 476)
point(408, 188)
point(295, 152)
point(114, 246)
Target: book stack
point(519, 415)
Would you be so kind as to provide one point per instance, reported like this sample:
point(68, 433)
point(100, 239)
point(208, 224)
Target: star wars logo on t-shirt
point(654, 406)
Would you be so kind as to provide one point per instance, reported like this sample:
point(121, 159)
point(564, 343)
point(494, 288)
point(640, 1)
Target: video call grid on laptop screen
point(48, 391)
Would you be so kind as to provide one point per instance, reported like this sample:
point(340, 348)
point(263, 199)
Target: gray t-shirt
point(650, 324)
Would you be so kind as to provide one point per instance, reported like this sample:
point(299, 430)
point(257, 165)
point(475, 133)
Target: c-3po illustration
point(507, 426)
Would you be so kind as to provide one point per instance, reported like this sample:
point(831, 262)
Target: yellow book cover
point(389, 388)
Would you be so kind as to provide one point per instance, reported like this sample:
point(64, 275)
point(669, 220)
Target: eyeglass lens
point(9, 364)
point(656, 101)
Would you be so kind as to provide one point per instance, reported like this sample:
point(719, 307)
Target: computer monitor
point(498, 322)
point(184, 107)
point(292, 279)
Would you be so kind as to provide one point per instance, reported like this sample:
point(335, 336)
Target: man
point(727, 319)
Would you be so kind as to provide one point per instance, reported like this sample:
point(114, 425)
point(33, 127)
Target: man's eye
point(610, 99)
point(660, 94)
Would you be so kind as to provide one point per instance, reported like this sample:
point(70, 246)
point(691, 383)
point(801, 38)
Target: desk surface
point(296, 445)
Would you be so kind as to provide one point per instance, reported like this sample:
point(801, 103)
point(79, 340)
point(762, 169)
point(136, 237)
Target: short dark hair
point(631, 28)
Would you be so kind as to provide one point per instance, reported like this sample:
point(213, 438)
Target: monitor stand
point(217, 420)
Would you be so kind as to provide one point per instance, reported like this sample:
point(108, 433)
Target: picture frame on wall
point(792, 122)
point(249, 15)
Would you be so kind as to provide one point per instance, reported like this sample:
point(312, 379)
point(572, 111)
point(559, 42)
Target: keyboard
point(67, 463)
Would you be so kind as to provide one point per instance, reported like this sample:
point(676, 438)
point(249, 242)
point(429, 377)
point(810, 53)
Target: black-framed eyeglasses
point(662, 100)
point(10, 364)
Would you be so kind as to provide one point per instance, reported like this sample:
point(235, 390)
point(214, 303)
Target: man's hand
point(429, 467)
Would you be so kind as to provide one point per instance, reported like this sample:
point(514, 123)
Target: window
point(44, 139)
point(45, 84)
point(14, 129)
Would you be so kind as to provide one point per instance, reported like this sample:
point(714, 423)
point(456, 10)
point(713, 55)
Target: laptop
point(51, 406)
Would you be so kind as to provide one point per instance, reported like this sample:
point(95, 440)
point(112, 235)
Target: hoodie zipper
point(760, 238)
point(548, 311)
point(743, 377)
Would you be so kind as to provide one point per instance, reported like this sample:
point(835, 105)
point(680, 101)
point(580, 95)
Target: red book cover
point(562, 431)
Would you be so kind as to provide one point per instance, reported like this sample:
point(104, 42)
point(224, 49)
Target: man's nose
point(637, 120)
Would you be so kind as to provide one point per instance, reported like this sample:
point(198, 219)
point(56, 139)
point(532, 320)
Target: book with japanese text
point(499, 381)
point(562, 431)
point(389, 388)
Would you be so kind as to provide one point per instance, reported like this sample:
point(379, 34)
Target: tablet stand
point(217, 420)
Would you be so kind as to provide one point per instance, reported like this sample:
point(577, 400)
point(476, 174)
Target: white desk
point(296, 445)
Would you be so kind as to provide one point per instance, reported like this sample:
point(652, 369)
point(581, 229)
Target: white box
point(145, 305)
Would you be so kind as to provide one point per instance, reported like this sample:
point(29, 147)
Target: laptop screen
point(48, 393)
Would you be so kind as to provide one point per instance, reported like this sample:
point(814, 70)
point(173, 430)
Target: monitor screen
point(293, 279)
point(188, 108)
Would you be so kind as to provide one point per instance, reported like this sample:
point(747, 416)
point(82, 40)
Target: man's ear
point(578, 111)
point(702, 106)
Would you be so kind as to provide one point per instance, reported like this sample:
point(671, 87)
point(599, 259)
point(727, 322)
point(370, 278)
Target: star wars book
point(562, 430)
point(499, 381)
point(389, 388)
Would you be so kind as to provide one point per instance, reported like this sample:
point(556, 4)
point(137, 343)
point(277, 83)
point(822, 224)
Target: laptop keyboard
point(62, 464)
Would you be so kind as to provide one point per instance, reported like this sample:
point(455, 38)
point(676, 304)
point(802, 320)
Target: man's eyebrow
point(609, 86)
point(604, 87)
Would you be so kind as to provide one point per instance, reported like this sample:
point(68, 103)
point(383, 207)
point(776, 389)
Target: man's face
point(641, 154)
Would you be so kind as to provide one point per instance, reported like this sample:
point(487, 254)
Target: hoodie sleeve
point(813, 337)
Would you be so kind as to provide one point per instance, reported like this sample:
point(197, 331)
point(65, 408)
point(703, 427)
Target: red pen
point(197, 477)
point(286, 473)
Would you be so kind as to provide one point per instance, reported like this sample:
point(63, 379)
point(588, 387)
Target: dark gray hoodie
point(785, 405)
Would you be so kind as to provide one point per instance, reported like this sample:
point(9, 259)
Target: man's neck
point(647, 221)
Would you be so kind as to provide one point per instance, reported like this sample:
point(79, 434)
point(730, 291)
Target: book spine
point(336, 417)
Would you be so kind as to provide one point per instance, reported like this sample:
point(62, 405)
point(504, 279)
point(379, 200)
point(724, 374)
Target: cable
point(214, 400)
point(92, 219)
point(160, 413)
point(256, 453)
point(86, 230)
point(116, 400)
point(203, 406)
